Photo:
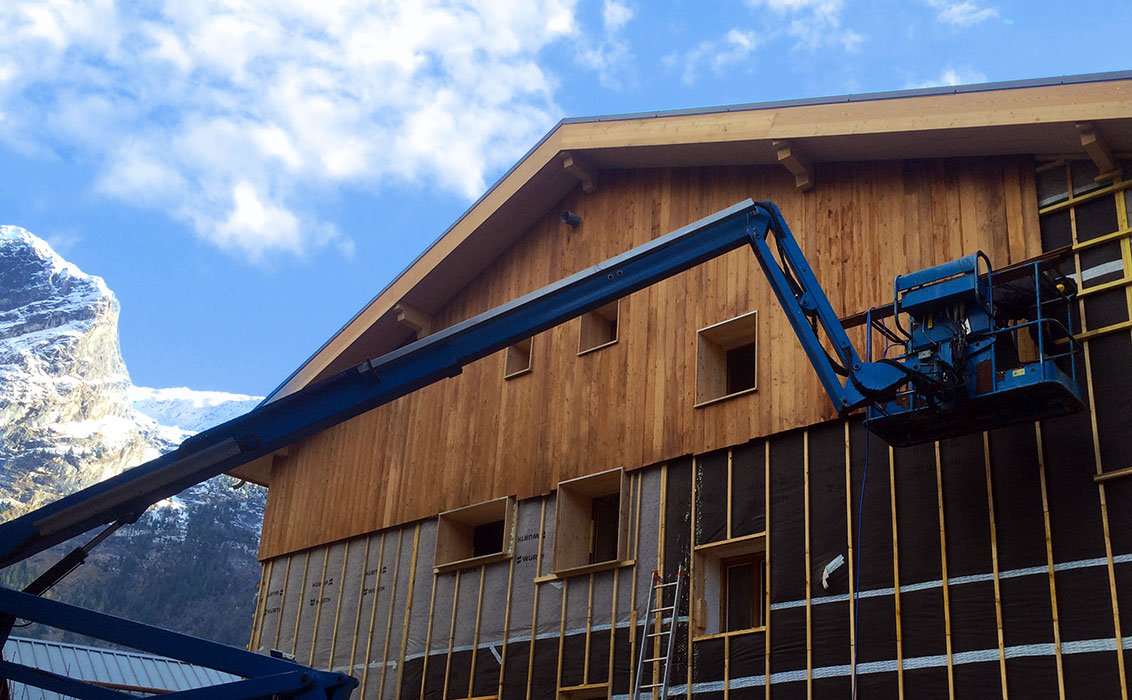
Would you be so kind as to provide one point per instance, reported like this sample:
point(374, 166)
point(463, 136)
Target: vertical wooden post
point(318, 606)
point(476, 634)
point(261, 605)
point(451, 633)
point(1049, 561)
point(282, 600)
point(633, 591)
point(806, 529)
point(372, 611)
point(943, 571)
point(692, 579)
point(994, 567)
point(850, 530)
point(534, 605)
point(338, 607)
point(428, 635)
point(389, 620)
point(767, 566)
point(507, 612)
point(408, 610)
point(299, 609)
point(358, 613)
point(661, 540)
point(562, 628)
point(896, 573)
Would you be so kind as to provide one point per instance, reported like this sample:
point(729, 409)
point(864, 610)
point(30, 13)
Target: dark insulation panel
point(711, 497)
point(748, 488)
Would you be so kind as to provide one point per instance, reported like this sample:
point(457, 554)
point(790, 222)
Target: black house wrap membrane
point(990, 565)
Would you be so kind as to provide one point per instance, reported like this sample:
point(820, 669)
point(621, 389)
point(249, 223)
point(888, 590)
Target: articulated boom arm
point(807, 307)
point(275, 425)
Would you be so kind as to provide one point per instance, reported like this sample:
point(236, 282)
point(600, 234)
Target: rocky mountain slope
point(70, 416)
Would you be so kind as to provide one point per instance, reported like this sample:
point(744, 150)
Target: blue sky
point(247, 174)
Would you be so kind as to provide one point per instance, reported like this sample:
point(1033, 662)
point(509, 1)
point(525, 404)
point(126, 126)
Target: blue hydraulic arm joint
point(850, 382)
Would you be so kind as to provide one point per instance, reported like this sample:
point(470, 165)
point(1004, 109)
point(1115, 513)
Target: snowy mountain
point(188, 409)
point(70, 416)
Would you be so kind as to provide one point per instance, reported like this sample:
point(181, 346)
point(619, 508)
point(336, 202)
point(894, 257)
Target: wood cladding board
point(476, 437)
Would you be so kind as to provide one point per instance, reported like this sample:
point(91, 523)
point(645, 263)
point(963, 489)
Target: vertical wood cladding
point(475, 437)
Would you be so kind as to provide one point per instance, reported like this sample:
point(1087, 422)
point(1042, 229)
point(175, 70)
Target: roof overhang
point(1038, 117)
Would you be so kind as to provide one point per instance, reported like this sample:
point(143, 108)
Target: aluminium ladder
point(665, 637)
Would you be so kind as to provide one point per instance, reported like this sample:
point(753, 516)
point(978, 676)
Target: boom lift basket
point(982, 349)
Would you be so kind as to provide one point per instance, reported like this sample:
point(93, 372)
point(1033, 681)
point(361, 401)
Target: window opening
point(518, 360)
point(605, 521)
point(487, 538)
point(730, 585)
point(741, 597)
point(475, 534)
point(598, 328)
point(591, 519)
point(726, 359)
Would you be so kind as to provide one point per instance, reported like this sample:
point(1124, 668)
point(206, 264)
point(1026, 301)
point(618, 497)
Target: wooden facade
point(477, 437)
point(992, 565)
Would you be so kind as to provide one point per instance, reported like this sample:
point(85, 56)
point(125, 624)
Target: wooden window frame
point(454, 534)
point(712, 345)
point(709, 584)
point(599, 328)
point(518, 358)
point(573, 521)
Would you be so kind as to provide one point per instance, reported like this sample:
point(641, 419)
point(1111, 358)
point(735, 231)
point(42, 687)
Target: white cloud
point(950, 77)
point(610, 56)
point(961, 14)
point(813, 24)
point(615, 15)
point(227, 114)
point(733, 48)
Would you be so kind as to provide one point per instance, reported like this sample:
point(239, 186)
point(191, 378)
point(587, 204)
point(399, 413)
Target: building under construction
point(496, 534)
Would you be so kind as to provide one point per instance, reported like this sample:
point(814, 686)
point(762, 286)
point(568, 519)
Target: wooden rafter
point(793, 159)
point(1098, 151)
point(415, 319)
point(583, 169)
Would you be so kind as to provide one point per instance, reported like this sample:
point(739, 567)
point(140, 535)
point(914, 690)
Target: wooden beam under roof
point(414, 319)
point(794, 160)
point(1098, 151)
point(582, 168)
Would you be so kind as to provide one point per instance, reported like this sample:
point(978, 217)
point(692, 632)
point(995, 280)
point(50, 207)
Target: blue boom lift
point(967, 349)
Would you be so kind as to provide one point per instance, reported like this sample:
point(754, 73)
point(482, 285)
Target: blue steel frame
point(265, 676)
point(849, 382)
